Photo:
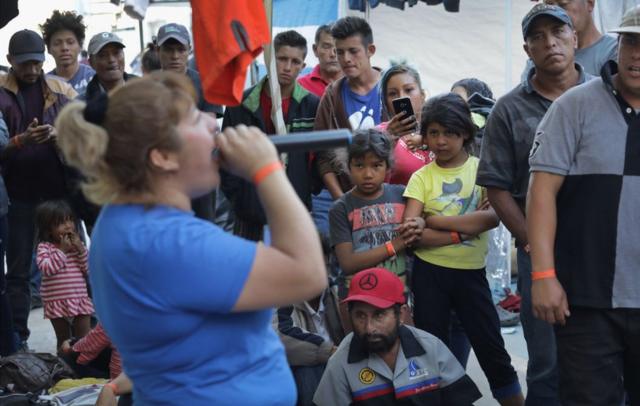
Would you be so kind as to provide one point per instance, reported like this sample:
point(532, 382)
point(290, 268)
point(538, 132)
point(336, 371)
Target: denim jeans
point(542, 368)
point(307, 379)
point(19, 258)
point(321, 204)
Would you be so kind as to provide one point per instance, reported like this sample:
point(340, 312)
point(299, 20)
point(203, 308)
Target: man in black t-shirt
point(31, 165)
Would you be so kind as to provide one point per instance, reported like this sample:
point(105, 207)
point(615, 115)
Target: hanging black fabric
point(400, 4)
point(361, 5)
point(8, 11)
point(452, 6)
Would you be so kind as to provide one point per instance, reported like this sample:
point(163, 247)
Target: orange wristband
point(455, 237)
point(546, 274)
point(16, 141)
point(266, 170)
point(113, 387)
point(391, 251)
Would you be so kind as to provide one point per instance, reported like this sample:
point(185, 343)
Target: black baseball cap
point(544, 10)
point(173, 31)
point(26, 45)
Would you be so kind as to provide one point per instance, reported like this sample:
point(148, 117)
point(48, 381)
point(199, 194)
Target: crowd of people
point(372, 255)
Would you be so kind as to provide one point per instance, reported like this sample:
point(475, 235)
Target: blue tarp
point(301, 13)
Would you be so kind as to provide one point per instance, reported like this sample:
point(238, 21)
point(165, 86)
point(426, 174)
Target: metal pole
point(503, 233)
point(507, 46)
point(140, 29)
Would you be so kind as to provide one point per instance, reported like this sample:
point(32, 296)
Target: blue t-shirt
point(81, 79)
point(164, 284)
point(363, 111)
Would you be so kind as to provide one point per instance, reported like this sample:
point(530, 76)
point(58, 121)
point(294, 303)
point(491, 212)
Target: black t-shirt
point(31, 98)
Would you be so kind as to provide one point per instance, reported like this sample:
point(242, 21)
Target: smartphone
point(403, 104)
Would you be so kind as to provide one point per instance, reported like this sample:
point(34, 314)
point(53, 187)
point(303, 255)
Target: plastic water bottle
point(499, 261)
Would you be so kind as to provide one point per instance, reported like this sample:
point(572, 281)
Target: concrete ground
point(43, 339)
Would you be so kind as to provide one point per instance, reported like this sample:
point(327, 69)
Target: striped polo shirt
point(591, 136)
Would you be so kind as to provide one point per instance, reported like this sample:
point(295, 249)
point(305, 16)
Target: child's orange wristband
point(391, 251)
point(455, 237)
point(546, 274)
point(266, 170)
point(113, 387)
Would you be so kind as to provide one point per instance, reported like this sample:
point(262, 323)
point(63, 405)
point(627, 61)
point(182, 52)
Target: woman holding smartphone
point(401, 83)
point(186, 304)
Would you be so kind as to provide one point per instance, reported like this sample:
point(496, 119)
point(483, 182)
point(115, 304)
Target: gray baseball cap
point(630, 22)
point(173, 31)
point(99, 40)
point(544, 10)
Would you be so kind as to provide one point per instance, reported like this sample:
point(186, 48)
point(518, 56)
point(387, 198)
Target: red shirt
point(313, 82)
point(407, 162)
point(265, 105)
point(91, 345)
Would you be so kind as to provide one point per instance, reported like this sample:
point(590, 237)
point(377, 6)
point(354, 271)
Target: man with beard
point(31, 165)
point(384, 362)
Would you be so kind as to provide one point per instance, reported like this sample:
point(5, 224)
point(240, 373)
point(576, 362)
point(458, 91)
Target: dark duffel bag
point(22, 399)
point(32, 372)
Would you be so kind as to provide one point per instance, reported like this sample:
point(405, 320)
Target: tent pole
point(140, 29)
point(508, 17)
point(274, 87)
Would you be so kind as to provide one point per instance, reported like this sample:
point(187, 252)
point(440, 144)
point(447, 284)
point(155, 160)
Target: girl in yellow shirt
point(448, 271)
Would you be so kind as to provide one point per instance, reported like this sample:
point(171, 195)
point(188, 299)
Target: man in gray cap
point(584, 228)
point(107, 59)
point(593, 49)
point(31, 165)
point(174, 46)
point(550, 43)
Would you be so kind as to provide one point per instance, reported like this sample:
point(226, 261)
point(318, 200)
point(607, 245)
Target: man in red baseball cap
point(384, 362)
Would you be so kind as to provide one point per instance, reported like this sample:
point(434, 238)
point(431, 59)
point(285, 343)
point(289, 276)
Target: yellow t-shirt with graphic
point(450, 192)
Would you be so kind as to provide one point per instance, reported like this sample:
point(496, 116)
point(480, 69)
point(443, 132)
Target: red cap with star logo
point(378, 287)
